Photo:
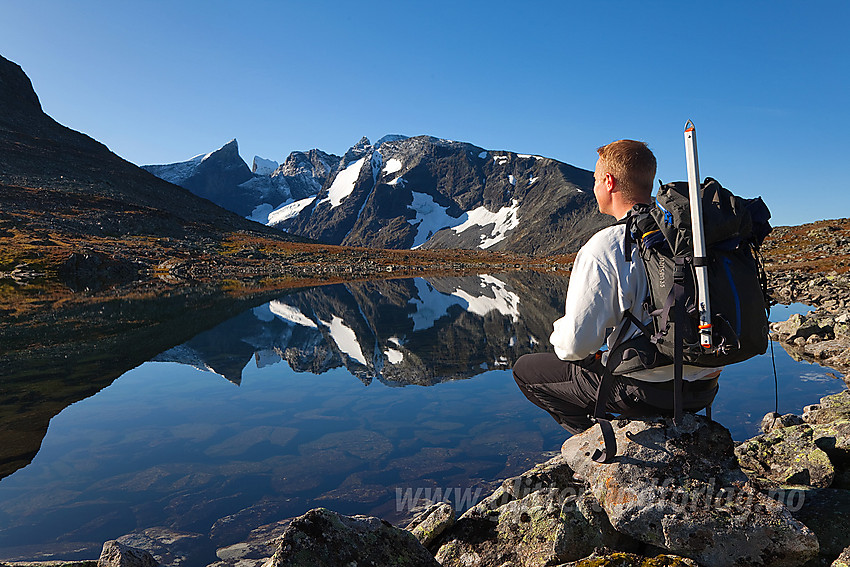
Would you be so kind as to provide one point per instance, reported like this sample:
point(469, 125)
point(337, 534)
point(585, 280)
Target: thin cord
point(775, 379)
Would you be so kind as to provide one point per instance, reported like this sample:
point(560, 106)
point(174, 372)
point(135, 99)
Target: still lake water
point(351, 397)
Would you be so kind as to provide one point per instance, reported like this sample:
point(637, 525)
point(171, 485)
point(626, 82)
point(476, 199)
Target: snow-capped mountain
point(433, 193)
point(224, 178)
point(405, 193)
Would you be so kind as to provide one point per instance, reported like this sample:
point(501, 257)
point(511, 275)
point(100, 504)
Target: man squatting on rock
point(603, 285)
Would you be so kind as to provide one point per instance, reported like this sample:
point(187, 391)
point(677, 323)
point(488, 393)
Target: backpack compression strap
point(603, 391)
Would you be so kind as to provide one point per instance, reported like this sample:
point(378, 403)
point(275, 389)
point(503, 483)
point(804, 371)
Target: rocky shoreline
point(682, 495)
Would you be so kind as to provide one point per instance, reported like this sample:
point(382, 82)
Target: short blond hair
point(633, 164)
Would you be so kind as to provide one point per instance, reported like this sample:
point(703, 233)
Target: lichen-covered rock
point(787, 455)
point(321, 538)
point(827, 512)
point(773, 421)
point(430, 524)
point(542, 517)
point(116, 554)
point(831, 408)
point(843, 559)
point(674, 487)
point(631, 560)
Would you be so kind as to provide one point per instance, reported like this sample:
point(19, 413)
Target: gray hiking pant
point(567, 390)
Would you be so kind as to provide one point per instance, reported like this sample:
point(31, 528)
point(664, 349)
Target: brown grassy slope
point(818, 247)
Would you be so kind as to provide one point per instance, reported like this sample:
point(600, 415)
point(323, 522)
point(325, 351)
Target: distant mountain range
point(401, 192)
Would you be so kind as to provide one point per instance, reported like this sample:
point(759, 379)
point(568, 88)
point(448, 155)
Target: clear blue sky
point(765, 82)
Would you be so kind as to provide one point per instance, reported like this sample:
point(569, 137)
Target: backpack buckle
point(679, 270)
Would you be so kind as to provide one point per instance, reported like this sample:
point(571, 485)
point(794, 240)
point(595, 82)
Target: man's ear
point(610, 182)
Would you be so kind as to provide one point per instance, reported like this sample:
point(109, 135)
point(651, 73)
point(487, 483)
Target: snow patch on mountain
point(343, 184)
point(264, 166)
point(177, 172)
point(529, 156)
point(288, 210)
point(261, 213)
point(430, 217)
point(345, 339)
point(393, 165)
point(512, 180)
point(501, 160)
point(483, 155)
point(291, 314)
point(504, 220)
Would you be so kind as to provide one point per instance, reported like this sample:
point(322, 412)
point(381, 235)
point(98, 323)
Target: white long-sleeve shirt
point(603, 285)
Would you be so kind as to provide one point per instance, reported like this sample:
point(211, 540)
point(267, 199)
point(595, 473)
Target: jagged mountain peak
point(229, 151)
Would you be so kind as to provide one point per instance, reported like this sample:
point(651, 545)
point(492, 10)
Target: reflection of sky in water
point(167, 445)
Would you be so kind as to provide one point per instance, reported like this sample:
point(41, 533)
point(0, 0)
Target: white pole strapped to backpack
point(700, 261)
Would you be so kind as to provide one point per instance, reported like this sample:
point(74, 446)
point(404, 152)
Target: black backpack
point(739, 302)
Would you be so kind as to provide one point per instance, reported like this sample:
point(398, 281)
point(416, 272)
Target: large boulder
point(835, 407)
point(116, 554)
point(322, 538)
point(431, 523)
point(543, 517)
point(788, 455)
point(679, 488)
point(773, 421)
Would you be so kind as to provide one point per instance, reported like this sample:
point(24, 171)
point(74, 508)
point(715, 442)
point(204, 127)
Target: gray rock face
point(117, 554)
point(430, 524)
point(321, 538)
point(679, 488)
point(787, 456)
point(542, 517)
point(773, 421)
point(830, 409)
point(306, 172)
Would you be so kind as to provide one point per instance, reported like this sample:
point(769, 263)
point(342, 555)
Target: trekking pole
point(700, 260)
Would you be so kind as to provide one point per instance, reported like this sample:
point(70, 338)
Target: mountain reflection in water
point(413, 331)
point(170, 449)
